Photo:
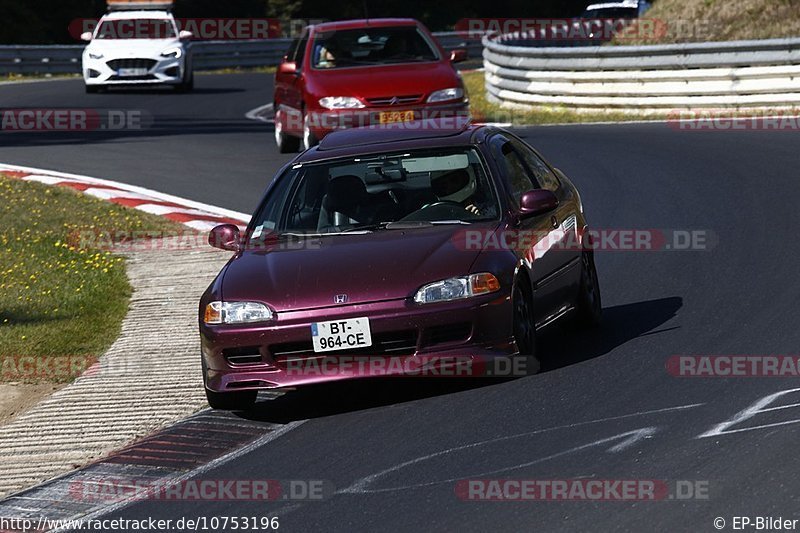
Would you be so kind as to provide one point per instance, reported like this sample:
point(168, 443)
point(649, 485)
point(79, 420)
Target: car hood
point(378, 266)
point(383, 81)
point(121, 48)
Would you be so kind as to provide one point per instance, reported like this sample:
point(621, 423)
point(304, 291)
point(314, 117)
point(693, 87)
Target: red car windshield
point(372, 192)
point(371, 46)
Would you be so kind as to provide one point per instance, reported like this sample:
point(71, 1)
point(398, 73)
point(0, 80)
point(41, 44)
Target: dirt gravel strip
point(150, 377)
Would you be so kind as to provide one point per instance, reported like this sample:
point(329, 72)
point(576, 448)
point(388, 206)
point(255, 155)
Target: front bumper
point(408, 339)
point(156, 70)
point(322, 122)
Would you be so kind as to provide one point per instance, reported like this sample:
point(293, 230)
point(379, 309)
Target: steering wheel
point(441, 210)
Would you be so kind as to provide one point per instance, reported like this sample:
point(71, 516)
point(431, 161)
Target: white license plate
point(341, 334)
point(126, 72)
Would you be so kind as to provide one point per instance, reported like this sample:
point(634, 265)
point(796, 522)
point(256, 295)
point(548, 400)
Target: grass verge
point(59, 301)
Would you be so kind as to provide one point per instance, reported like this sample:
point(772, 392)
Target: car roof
point(403, 136)
point(141, 14)
point(364, 23)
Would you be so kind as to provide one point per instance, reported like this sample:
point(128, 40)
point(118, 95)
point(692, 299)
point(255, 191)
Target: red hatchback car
point(363, 72)
point(383, 251)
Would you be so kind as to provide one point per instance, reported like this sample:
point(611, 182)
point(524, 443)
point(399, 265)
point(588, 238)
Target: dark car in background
point(399, 243)
point(360, 72)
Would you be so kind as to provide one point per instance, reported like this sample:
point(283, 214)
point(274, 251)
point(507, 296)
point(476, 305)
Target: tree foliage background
point(46, 21)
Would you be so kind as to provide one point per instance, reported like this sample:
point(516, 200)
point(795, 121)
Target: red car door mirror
point(225, 237)
point(458, 55)
point(537, 202)
point(288, 67)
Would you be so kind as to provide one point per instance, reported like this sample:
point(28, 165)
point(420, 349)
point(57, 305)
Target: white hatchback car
point(142, 47)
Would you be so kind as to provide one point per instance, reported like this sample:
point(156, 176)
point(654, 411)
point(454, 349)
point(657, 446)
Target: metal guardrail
point(208, 55)
point(697, 75)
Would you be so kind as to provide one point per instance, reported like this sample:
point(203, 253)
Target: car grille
point(395, 100)
point(449, 333)
point(133, 78)
point(394, 343)
point(248, 355)
point(116, 64)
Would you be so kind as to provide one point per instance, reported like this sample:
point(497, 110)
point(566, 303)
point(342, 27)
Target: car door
point(564, 220)
point(289, 87)
point(543, 246)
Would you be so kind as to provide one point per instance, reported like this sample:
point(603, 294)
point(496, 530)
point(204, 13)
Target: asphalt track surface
point(393, 451)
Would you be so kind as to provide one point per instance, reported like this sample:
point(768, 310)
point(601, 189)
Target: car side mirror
point(537, 202)
point(288, 67)
point(86, 36)
point(185, 35)
point(225, 237)
point(458, 55)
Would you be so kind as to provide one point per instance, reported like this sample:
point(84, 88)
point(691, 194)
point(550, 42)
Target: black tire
point(227, 401)
point(589, 305)
point(232, 401)
point(186, 86)
point(286, 143)
point(525, 326)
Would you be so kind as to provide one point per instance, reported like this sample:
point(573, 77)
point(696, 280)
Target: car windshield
point(136, 29)
point(371, 46)
point(380, 192)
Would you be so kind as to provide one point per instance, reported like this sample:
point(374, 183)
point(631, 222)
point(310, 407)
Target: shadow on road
point(562, 345)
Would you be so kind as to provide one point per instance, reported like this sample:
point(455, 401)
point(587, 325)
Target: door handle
point(554, 221)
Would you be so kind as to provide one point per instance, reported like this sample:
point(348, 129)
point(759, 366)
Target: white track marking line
point(360, 486)
point(258, 114)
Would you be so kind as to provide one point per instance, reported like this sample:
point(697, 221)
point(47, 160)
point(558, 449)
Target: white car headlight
point(457, 288)
point(445, 95)
point(95, 55)
point(237, 313)
point(340, 102)
point(174, 52)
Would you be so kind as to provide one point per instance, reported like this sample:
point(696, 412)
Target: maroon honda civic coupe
point(417, 249)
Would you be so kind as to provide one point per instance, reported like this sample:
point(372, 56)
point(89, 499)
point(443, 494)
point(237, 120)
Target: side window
point(541, 172)
point(272, 208)
point(300, 53)
point(292, 50)
point(517, 176)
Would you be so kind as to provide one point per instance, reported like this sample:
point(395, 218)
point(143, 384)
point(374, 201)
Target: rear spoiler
point(128, 5)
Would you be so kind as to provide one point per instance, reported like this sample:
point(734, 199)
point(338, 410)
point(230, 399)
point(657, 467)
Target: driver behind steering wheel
point(459, 187)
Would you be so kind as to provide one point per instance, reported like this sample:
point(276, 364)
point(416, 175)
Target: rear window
point(371, 46)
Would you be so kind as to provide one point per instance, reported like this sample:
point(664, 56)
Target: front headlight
point(457, 288)
point(237, 313)
point(340, 102)
point(93, 55)
point(174, 52)
point(454, 93)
